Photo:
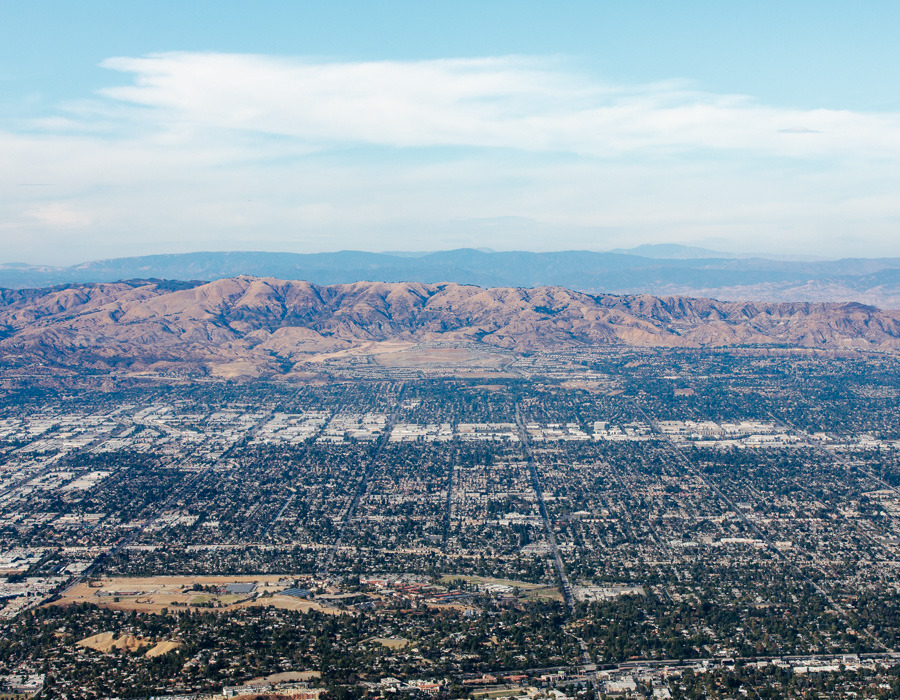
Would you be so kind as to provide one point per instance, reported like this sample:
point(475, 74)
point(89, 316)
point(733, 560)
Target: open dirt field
point(286, 602)
point(417, 356)
point(153, 594)
point(391, 643)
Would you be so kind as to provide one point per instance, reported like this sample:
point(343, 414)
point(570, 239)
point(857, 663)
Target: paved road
point(162, 506)
point(361, 487)
point(306, 446)
point(677, 452)
point(565, 586)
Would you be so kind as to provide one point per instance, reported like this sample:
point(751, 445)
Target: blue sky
point(129, 128)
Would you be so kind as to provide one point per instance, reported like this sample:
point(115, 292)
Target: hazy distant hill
point(675, 251)
point(870, 281)
point(262, 326)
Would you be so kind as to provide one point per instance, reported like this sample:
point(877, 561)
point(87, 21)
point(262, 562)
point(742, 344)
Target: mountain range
point(662, 270)
point(253, 326)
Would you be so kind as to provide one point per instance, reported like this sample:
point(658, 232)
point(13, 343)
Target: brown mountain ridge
point(265, 326)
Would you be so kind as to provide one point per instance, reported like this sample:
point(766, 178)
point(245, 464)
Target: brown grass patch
point(163, 647)
point(156, 593)
point(287, 602)
point(391, 643)
point(105, 642)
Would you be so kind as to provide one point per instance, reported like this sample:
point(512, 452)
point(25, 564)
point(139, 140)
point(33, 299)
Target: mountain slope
point(266, 324)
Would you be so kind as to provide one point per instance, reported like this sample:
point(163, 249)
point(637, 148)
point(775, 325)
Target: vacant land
point(158, 593)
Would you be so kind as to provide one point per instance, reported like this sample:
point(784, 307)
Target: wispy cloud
point(204, 151)
point(508, 102)
point(799, 130)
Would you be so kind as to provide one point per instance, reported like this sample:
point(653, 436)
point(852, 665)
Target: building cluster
point(655, 506)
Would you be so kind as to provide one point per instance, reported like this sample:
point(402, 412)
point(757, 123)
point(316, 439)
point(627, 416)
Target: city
point(634, 523)
point(503, 350)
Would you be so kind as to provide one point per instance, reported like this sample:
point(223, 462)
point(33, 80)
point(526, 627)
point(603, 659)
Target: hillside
point(263, 326)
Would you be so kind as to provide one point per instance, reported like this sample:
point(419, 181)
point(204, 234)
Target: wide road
point(369, 470)
point(564, 586)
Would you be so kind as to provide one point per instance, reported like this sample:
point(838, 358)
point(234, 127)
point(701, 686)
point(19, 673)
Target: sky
point(132, 128)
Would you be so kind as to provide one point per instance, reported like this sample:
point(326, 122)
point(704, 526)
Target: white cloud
point(509, 102)
point(206, 151)
point(60, 215)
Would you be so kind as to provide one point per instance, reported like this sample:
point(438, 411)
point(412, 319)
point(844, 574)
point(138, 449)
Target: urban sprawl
point(630, 523)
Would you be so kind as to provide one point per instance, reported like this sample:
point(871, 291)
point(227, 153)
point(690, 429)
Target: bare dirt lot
point(153, 594)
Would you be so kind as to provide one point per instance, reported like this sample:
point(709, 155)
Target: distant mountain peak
point(661, 269)
point(673, 251)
